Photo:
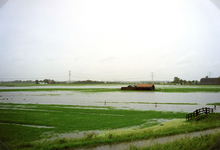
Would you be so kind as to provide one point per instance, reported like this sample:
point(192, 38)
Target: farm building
point(141, 87)
point(210, 81)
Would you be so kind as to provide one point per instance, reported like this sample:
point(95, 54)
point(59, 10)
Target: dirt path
point(150, 142)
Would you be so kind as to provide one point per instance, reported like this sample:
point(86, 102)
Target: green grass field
point(196, 143)
point(64, 118)
point(67, 118)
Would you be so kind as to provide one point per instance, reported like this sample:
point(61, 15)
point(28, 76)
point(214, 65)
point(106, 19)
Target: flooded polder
point(158, 101)
point(186, 102)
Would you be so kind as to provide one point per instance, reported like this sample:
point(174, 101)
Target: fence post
point(196, 112)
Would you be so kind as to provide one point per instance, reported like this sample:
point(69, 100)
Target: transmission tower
point(70, 76)
point(210, 73)
point(152, 75)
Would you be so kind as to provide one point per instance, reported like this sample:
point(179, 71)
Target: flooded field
point(102, 86)
point(44, 120)
point(186, 102)
point(62, 87)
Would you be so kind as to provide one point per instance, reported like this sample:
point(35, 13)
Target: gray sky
point(109, 39)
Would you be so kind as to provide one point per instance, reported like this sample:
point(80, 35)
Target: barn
point(210, 81)
point(141, 87)
point(145, 87)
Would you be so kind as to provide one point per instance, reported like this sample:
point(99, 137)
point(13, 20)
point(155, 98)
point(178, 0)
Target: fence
point(197, 112)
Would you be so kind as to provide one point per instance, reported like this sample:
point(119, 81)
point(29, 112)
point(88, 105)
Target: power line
point(209, 74)
point(152, 75)
point(70, 76)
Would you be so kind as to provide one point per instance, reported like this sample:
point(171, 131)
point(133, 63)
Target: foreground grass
point(71, 118)
point(91, 139)
point(186, 143)
point(197, 143)
point(64, 119)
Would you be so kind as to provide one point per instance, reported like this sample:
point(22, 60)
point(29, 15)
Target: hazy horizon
point(117, 40)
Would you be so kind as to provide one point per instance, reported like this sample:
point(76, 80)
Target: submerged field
point(92, 110)
point(21, 124)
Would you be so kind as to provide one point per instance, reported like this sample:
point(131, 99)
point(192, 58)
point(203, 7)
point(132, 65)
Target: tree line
point(45, 81)
point(88, 82)
point(181, 81)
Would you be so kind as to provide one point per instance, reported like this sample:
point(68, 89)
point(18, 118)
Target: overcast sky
point(109, 39)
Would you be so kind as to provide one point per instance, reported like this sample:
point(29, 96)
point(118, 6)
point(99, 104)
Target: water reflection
point(63, 87)
point(121, 100)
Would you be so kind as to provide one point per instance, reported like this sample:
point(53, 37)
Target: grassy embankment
point(186, 143)
point(65, 118)
point(197, 143)
point(213, 104)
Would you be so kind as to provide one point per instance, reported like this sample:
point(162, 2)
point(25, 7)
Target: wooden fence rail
point(197, 112)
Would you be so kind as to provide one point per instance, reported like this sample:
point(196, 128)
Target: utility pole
point(70, 76)
point(210, 74)
point(152, 75)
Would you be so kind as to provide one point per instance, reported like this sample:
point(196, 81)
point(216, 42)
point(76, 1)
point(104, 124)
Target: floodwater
point(120, 100)
point(62, 87)
point(103, 86)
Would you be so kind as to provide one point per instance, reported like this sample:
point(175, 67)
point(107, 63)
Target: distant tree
point(206, 76)
point(181, 81)
point(46, 81)
point(184, 81)
point(36, 81)
point(176, 80)
point(53, 82)
point(196, 82)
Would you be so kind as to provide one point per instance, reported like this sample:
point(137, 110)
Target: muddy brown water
point(149, 142)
